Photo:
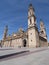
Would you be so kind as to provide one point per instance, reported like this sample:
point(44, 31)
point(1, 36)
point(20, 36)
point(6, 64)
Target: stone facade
point(30, 38)
point(43, 42)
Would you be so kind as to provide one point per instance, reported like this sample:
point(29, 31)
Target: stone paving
point(9, 50)
point(38, 58)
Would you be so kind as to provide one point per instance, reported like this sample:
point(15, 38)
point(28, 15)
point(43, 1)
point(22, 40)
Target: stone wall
point(43, 42)
point(13, 43)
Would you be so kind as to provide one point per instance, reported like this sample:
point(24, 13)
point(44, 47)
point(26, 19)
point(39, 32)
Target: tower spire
point(31, 7)
point(31, 10)
point(5, 32)
point(31, 16)
point(42, 30)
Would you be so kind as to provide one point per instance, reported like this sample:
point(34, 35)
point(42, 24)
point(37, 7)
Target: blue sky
point(14, 13)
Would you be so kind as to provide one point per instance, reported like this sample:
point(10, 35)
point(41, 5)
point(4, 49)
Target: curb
point(5, 56)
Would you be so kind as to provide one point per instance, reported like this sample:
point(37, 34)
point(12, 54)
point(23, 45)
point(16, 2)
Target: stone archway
point(24, 43)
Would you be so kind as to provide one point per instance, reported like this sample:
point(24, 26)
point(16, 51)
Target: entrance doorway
point(24, 43)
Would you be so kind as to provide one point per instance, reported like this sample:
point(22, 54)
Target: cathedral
point(30, 38)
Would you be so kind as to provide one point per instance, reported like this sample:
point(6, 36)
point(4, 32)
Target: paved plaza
point(9, 50)
point(35, 56)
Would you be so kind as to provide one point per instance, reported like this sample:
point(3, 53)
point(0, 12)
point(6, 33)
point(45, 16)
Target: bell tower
point(42, 30)
point(33, 36)
point(5, 32)
point(31, 16)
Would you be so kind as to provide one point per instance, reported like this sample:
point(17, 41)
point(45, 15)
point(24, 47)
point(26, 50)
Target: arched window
point(42, 32)
point(24, 42)
point(30, 21)
point(30, 13)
